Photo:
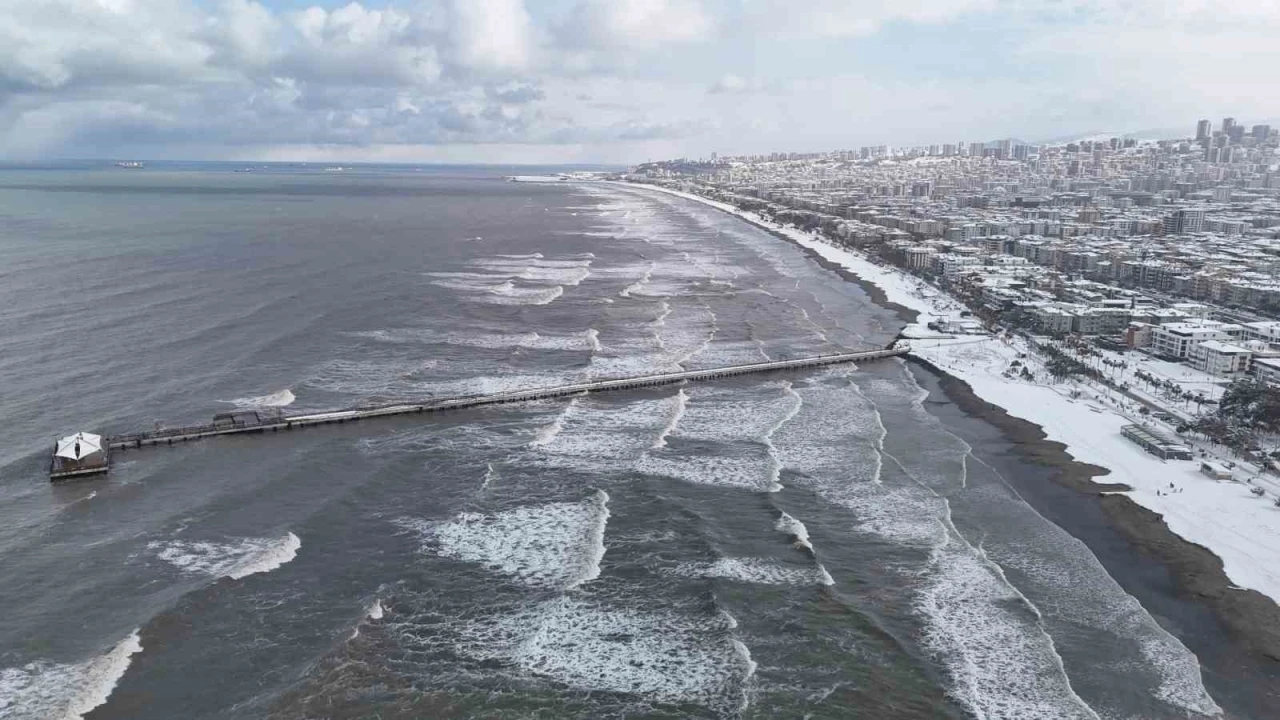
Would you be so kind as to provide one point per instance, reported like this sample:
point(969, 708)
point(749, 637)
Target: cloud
point(242, 33)
point(618, 78)
point(731, 84)
point(491, 35)
point(636, 24)
point(353, 45)
point(841, 18)
point(59, 43)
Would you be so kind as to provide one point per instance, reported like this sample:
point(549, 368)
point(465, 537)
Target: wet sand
point(1235, 633)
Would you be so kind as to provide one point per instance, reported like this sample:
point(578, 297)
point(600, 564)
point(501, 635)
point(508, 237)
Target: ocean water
point(806, 544)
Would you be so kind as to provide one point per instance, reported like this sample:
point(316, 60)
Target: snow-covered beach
point(1222, 516)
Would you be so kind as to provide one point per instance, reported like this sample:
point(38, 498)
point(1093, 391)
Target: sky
point(612, 81)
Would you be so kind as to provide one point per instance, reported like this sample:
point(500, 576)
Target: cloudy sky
point(611, 80)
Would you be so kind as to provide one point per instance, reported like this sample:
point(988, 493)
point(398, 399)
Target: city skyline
point(611, 82)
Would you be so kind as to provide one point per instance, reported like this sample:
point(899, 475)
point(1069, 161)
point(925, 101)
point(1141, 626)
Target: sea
point(830, 543)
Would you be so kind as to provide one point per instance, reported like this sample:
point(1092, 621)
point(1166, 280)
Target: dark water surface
point(813, 544)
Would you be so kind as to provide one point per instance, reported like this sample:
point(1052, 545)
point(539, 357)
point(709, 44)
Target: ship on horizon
point(130, 164)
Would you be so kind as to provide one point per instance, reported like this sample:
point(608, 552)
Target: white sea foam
point(594, 434)
point(1050, 563)
point(55, 691)
point(655, 656)
point(372, 377)
point(679, 402)
point(717, 353)
point(1180, 681)
point(468, 282)
point(748, 670)
point(775, 463)
point(754, 570)
point(661, 319)
point(508, 294)
point(1002, 664)
point(596, 548)
point(842, 462)
point(280, 398)
point(553, 545)
point(373, 612)
point(639, 284)
point(732, 414)
point(484, 384)
point(794, 528)
point(586, 340)
point(549, 432)
point(722, 416)
point(559, 275)
point(543, 280)
point(743, 470)
point(236, 559)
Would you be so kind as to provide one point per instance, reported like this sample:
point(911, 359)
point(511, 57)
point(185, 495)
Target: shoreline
point(1250, 616)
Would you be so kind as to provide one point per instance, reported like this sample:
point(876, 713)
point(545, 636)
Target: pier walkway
point(257, 421)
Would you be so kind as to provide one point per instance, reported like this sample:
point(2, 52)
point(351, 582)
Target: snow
point(1240, 528)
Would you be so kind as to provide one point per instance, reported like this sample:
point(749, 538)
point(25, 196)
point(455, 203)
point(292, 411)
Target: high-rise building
point(1261, 132)
point(1204, 129)
point(1185, 220)
point(1227, 124)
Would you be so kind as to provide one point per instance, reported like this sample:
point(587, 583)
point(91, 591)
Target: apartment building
point(1175, 340)
point(1219, 358)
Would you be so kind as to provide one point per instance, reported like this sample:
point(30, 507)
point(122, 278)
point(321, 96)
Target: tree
point(1252, 403)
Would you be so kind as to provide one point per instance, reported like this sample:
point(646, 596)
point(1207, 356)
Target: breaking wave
point(754, 570)
point(679, 402)
point(556, 545)
point(235, 560)
point(282, 398)
point(55, 691)
point(794, 528)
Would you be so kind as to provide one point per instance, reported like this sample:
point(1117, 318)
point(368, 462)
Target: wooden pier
point(260, 421)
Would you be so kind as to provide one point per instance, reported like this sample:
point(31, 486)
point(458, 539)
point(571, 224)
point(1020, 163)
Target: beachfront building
point(1101, 320)
point(1267, 331)
point(1175, 340)
point(1156, 443)
point(1267, 369)
point(1219, 358)
point(1138, 335)
point(1053, 319)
